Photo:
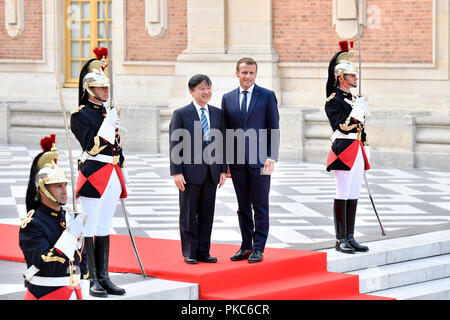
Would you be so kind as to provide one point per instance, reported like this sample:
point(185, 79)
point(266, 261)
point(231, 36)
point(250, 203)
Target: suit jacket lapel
point(193, 112)
point(252, 102)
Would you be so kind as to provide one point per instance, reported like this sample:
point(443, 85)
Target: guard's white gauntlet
point(359, 109)
point(108, 128)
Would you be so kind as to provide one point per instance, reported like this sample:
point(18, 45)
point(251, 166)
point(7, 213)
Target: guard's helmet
point(340, 65)
point(44, 171)
point(92, 75)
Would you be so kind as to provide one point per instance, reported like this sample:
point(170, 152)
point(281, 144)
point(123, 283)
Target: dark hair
point(197, 79)
point(246, 60)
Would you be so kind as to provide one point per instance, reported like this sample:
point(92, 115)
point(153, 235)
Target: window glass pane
point(74, 69)
point(74, 10)
point(101, 44)
point(101, 31)
point(86, 30)
point(109, 10)
point(75, 50)
point(100, 10)
point(86, 50)
point(75, 30)
point(85, 10)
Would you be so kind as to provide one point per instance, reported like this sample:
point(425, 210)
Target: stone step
point(389, 251)
point(411, 267)
point(152, 289)
point(403, 273)
point(430, 290)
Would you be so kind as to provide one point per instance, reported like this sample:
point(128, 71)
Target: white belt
point(339, 135)
point(50, 281)
point(99, 157)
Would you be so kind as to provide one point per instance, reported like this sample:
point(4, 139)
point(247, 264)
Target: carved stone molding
point(14, 18)
point(344, 18)
point(156, 17)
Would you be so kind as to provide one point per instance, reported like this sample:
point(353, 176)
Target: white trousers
point(348, 183)
point(100, 211)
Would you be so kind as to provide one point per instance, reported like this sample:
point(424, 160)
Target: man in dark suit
point(197, 166)
point(252, 113)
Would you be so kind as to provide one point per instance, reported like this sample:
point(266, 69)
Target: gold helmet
point(340, 65)
point(92, 75)
point(44, 171)
point(344, 63)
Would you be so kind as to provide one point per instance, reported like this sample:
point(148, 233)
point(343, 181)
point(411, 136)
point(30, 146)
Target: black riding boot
point(340, 225)
point(102, 257)
point(351, 215)
point(96, 289)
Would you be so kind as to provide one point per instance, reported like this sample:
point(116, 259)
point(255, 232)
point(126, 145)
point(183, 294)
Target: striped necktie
point(205, 125)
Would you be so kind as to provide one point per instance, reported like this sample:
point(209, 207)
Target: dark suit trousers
point(197, 204)
point(252, 190)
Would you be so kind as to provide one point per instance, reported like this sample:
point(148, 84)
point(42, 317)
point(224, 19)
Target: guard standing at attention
point(102, 176)
point(349, 153)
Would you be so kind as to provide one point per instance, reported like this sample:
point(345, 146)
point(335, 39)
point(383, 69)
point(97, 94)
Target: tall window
point(85, 30)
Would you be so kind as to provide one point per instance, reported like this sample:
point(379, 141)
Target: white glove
point(108, 128)
point(75, 224)
point(359, 109)
point(112, 116)
point(68, 241)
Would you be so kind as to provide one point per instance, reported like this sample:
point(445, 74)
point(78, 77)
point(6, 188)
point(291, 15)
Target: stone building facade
point(157, 45)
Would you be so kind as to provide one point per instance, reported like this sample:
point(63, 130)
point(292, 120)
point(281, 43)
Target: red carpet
point(283, 274)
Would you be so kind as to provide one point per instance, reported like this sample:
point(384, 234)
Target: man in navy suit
point(197, 166)
point(251, 113)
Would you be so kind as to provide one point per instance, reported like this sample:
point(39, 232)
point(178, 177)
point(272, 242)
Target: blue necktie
point(244, 106)
point(205, 125)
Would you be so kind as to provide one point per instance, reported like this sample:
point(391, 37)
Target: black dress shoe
point(343, 246)
point(190, 260)
point(96, 290)
point(207, 259)
point(256, 256)
point(352, 242)
point(241, 255)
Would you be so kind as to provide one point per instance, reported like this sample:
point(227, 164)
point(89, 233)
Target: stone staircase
point(408, 268)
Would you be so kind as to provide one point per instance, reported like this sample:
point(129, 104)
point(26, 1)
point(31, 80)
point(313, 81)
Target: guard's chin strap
point(48, 194)
point(92, 94)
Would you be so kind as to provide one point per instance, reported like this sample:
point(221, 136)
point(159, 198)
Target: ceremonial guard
point(101, 176)
point(348, 156)
point(50, 237)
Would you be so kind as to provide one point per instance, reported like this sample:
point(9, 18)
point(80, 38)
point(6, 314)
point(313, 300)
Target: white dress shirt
point(197, 106)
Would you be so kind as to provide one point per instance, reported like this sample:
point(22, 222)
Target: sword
point(125, 214)
point(122, 201)
point(69, 146)
point(373, 204)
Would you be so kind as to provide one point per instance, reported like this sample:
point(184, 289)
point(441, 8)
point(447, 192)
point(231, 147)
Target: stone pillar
point(249, 33)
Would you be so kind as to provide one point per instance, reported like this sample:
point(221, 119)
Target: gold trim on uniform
point(77, 109)
point(27, 220)
point(96, 149)
point(331, 96)
point(50, 258)
point(345, 126)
